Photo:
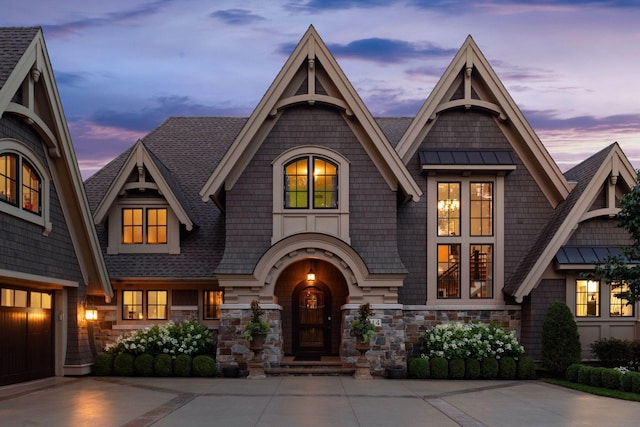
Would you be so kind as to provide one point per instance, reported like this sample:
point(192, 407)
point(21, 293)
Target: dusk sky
point(124, 66)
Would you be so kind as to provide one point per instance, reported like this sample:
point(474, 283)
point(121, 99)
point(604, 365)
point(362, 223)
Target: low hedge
point(525, 368)
point(143, 365)
point(507, 368)
point(182, 365)
point(418, 368)
point(611, 378)
point(163, 365)
point(203, 366)
point(456, 369)
point(489, 368)
point(472, 369)
point(103, 365)
point(123, 365)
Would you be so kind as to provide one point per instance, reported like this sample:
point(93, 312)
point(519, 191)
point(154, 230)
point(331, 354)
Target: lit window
point(156, 226)
point(132, 305)
point(618, 307)
point(40, 300)
point(8, 178)
point(481, 271)
point(448, 209)
point(587, 298)
point(157, 305)
point(481, 205)
point(212, 303)
point(132, 226)
point(448, 271)
point(297, 184)
point(29, 181)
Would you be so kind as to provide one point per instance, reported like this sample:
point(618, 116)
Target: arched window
point(20, 184)
point(319, 182)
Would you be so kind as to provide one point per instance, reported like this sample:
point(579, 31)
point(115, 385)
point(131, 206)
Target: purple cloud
point(237, 16)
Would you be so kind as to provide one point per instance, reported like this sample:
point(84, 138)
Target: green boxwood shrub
point(584, 375)
point(596, 377)
point(626, 380)
point(612, 352)
point(571, 374)
point(182, 365)
point(526, 368)
point(123, 365)
point(203, 366)
point(489, 368)
point(163, 365)
point(143, 365)
point(103, 365)
point(456, 369)
point(507, 368)
point(439, 368)
point(560, 339)
point(472, 369)
point(611, 379)
point(419, 368)
point(635, 382)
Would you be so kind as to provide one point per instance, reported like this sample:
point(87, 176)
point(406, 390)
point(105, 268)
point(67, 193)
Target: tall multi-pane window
point(481, 271)
point(300, 182)
point(587, 298)
point(132, 226)
point(156, 226)
point(618, 307)
point(448, 271)
point(157, 305)
point(481, 209)
point(20, 184)
point(212, 303)
point(448, 209)
point(132, 305)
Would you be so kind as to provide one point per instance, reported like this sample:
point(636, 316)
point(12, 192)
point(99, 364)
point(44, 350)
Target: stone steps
point(329, 366)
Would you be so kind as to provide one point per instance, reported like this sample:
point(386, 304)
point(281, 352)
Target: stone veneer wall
point(232, 348)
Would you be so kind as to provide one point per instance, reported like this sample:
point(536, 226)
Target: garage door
point(26, 335)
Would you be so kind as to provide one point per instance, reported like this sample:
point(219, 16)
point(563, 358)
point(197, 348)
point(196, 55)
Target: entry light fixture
point(90, 312)
point(311, 276)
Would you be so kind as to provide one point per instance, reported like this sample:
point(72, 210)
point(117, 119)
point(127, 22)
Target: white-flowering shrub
point(471, 340)
point(188, 337)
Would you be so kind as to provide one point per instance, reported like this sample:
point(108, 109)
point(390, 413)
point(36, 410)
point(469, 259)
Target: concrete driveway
point(304, 401)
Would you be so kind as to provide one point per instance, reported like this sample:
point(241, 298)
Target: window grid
point(618, 307)
point(448, 209)
point(296, 182)
point(157, 305)
point(8, 178)
point(448, 271)
point(212, 302)
point(132, 305)
point(481, 209)
point(481, 271)
point(30, 188)
point(325, 184)
point(156, 226)
point(19, 179)
point(587, 298)
point(321, 183)
point(132, 226)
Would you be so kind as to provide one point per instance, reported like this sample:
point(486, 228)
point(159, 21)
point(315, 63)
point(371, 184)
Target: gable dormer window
point(310, 193)
point(138, 228)
point(301, 181)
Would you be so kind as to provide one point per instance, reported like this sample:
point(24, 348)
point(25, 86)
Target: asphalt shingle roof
point(13, 43)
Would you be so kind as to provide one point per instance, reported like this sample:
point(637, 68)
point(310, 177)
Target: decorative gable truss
point(614, 176)
point(30, 92)
point(310, 76)
point(143, 207)
point(469, 82)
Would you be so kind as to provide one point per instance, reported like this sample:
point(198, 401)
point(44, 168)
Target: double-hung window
point(465, 239)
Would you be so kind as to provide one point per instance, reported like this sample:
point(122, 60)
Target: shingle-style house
point(50, 257)
point(456, 214)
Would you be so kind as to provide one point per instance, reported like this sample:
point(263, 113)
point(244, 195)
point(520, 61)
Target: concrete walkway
point(304, 401)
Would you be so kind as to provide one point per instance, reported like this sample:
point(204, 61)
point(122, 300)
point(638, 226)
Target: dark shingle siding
point(50, 256)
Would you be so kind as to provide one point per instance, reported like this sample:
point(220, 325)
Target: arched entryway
point(311, 314)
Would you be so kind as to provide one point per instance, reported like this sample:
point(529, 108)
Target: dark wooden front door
point(311, 320)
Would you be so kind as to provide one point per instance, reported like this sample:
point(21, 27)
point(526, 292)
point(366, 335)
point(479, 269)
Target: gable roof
point(283, 93)
point(611, 167)
point(482, 89)
point(25, 64)
point(143, 160)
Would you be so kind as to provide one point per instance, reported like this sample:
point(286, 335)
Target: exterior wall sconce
point(91, 314)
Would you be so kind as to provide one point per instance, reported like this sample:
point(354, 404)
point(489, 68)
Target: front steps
point(328, 365)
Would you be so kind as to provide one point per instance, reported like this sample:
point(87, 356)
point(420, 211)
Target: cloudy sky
point(124, 66)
